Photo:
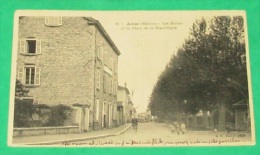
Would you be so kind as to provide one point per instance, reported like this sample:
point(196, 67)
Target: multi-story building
point(125, 105)
point(70, 61)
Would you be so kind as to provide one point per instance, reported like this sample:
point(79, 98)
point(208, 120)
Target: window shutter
point(98, 79)
point(104, 56)
point(112, 64)
point(37, 75)
point(112, 90)
point(97, 110)
point(115, 86)
point(98, 52)
point(59, 20)
point(47, 20)
point(101, 52)
point(38, 46)
point(110, 84)
point(20, 74)
point(22, 46)
point(107, 84)
point(103, 83)
point(51, 21)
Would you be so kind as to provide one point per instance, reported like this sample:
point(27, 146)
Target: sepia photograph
point(130, 79)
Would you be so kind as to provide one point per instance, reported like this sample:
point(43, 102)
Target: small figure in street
point(183, 127)
point(177, 125)
point(172, 128)
point(134, 123)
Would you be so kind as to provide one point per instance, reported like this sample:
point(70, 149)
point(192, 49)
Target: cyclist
point(134, 123)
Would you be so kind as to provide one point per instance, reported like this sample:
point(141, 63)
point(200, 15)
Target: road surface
point(159, 134)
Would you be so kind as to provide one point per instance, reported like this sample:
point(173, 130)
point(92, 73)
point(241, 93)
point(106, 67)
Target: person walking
point(182, 127)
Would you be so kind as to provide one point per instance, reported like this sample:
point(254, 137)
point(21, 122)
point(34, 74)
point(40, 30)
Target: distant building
point(242, 118)
point(125, 104)
point(70, 61)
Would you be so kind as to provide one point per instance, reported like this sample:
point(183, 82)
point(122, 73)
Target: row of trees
point(207, 73)
point(25, 111)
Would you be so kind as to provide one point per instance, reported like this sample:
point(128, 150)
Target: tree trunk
point(205, 119)
point(211, 121)
point(194, 121)
point(187, 122)
point(222, 116)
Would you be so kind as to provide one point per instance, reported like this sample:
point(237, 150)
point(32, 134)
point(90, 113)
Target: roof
point(124, 88)
point(93, 21)
point(241, 103)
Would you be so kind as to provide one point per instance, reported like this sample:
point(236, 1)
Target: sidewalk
point(59, 138)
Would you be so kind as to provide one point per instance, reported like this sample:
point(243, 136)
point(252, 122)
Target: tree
point(209, 70)
point(58, 115)
point(23, 109)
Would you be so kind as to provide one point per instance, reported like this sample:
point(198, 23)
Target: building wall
point(66, 60)
point(70, 66)
point(127, 106)
point(106, 71)
point(240, 119)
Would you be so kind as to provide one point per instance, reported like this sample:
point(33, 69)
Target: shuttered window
point(98, 79)
point(29, 75)
point(97, 110)
point(99, 52)
point(30, 46)
point(115, 88)
point(53, 21)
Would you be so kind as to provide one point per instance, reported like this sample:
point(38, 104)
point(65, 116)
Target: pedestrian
point(172, 128)
point(177, 126)
point(183, 127)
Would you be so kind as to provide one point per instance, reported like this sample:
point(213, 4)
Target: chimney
point(125, 84)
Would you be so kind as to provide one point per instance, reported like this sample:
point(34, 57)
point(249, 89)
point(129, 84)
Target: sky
point(145, 48)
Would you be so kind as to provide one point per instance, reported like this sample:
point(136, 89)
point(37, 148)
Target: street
point(159, 134)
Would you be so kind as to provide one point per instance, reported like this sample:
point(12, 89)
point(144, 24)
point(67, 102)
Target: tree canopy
point(207, 71)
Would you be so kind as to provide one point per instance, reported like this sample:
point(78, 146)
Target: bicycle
point(135, 127)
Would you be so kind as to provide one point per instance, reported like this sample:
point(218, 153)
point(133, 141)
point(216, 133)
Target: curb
point(76, 139)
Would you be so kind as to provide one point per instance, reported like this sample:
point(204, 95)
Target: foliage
point(22, 109)
point(58, 115)
point(22, 113)
point(209, 69)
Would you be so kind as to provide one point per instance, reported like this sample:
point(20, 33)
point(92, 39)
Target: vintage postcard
point(130, 79)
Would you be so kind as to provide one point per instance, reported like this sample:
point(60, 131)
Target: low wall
point(18, 132)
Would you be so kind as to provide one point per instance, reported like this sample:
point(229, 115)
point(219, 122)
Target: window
point(30, 46)
point(29, 75)
point(98, 79)
point(104, 56)
point(115, 67)
point(97, 110)
point(111, 63)
point(53, 21)
point(115, 88)
point(104, 83)
point(111, 86)
point(99, 52)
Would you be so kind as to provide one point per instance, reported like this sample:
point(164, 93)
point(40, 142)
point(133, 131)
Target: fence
point(19, 132)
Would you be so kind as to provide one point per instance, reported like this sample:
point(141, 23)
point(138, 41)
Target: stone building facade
point(70, 61)
point(125, 103)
